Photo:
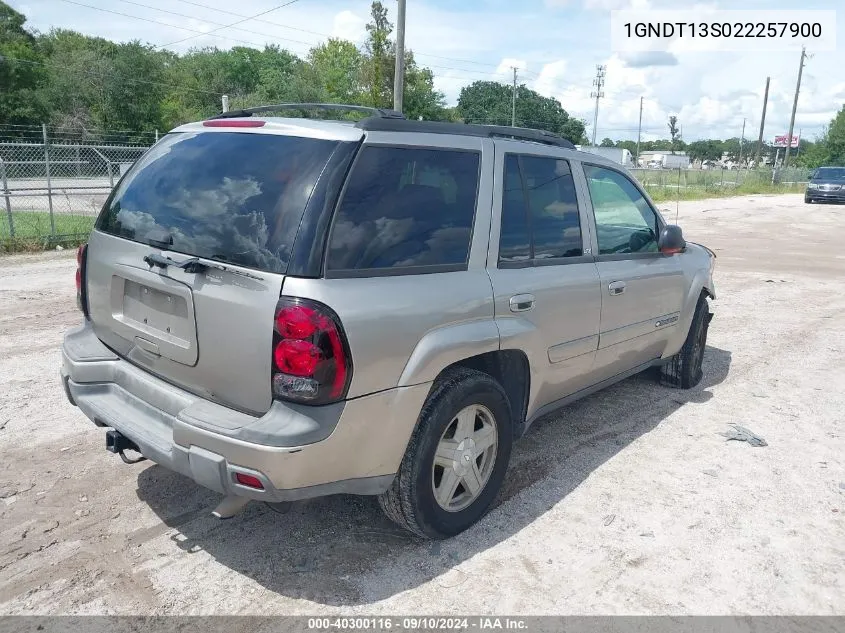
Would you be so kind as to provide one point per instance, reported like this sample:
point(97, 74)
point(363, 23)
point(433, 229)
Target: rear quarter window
point(405, 210)
point(234, 197)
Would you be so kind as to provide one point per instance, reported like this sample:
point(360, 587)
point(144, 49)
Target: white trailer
point(673, 161)
point(616, 154)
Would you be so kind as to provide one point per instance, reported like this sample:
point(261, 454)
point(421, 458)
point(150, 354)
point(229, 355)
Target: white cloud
point(551, 77)
point(507, 65)
point(349, 26)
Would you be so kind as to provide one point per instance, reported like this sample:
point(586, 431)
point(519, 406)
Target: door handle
point(616, 287)
point(521, 303)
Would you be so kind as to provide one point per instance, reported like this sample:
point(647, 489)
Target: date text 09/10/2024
point(418, 623)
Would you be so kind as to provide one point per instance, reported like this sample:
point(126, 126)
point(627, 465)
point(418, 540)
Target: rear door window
point(234, 197)
point(405, 210)
point(540, 217)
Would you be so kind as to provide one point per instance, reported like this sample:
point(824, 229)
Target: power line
point(220, 24)
point(160, 23)
point(276, 37)
point(213, 33)
point(235, 39)
point(321, 34)
point(246, 19)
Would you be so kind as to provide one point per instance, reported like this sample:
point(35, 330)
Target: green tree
point(674, 132)
point(705, 150)
point(731, 147)
point(835, 139)
point(631, 146)
point(656, 146)
point(338, 65)
point(607, 142)
point(421, 100)
point(21, 71)
point(78, 72)
point(378, 69)
point(490, 102)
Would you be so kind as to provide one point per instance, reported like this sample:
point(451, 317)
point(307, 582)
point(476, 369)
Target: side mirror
point(671, 240)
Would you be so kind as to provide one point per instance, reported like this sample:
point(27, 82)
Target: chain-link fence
point(721, 181)
point(53, 189)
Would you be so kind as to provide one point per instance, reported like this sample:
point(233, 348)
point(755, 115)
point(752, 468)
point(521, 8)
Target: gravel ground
point(628, 502)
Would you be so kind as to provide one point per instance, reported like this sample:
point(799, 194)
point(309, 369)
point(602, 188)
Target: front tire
point(684, 370)
point(456, 459)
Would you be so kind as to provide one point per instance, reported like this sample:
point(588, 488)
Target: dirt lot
point(627, 502)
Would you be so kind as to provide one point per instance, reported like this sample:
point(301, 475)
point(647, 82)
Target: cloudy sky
point(556, 44)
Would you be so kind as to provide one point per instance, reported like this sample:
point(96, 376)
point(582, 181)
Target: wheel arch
point(511, 369)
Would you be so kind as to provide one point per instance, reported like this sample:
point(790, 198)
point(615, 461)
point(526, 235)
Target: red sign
point(780, 141)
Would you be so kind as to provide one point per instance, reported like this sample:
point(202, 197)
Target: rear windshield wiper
point(194, 265)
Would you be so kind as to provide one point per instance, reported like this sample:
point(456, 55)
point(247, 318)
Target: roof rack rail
point(373, 112)
point(464, 129)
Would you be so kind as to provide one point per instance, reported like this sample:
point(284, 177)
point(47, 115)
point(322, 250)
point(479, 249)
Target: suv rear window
point(228, 196)
point(405, 210)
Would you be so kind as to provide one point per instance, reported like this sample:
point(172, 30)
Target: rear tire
point(433, 495)
point(684, 369)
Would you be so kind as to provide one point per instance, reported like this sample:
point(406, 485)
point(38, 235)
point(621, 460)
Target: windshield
point(229, 196)
point(829, 173)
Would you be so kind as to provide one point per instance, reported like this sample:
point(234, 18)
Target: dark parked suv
point(827, 184)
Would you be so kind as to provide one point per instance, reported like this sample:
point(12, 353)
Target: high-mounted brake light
point(81, 290)
point(311, 360)
point(233, 123)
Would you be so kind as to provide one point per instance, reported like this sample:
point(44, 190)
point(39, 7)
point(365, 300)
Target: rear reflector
point(249, 481)
point(233, 123)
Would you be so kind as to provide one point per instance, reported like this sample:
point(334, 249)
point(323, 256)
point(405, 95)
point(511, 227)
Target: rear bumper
point(296, 452)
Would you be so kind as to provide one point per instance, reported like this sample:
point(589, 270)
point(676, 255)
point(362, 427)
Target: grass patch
point(33, 231)
point(670, 194)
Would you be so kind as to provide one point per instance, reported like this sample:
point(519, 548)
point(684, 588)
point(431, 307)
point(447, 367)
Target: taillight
point(81, 294)
point(311, 360)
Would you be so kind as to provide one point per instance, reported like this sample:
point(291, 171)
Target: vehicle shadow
point(342, 551)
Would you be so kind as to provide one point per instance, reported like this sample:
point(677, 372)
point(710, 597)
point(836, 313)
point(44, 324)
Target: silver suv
point(282, 308)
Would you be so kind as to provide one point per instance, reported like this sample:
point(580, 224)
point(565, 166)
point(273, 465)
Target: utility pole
point(513, 99)
point(598, 82)
point(639, 133)
point(741, 141)
point(762, 125)
point(798, 149)
point(794, 108)
point(399, 74)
